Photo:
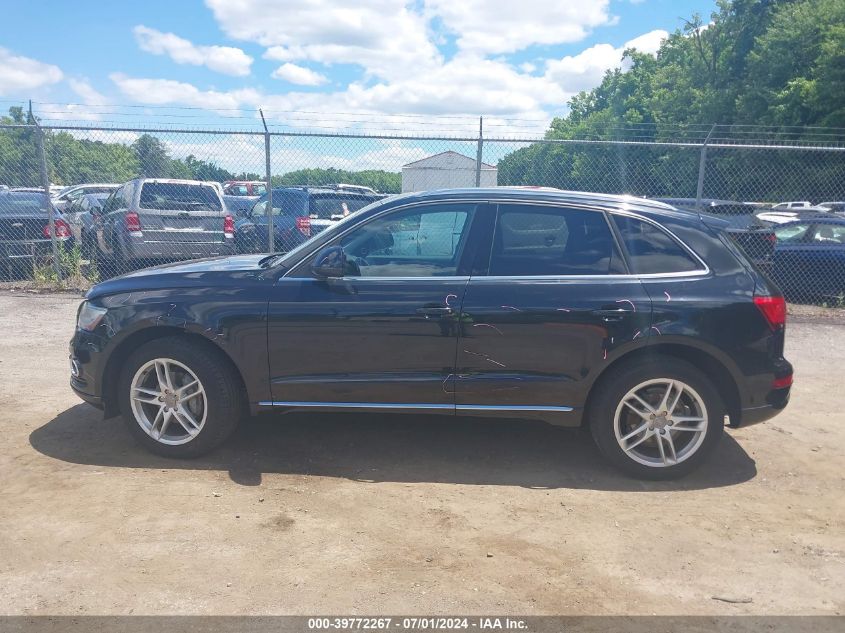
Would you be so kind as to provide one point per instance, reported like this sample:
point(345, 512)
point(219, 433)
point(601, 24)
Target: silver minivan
point(149, 220)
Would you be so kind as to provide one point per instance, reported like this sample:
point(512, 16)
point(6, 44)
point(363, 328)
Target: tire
point(211, 415)
point(650, 451)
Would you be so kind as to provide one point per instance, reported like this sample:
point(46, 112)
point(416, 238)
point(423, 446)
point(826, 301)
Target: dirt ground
point(384, 515)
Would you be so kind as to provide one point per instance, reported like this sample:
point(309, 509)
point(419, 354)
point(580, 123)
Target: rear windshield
point(333, 206)
point(26, 202)
point(179, 196)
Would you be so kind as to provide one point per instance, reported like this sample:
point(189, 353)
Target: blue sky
point(372, 65)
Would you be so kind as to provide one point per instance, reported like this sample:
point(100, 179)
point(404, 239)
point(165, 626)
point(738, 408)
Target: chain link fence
point(120, 198)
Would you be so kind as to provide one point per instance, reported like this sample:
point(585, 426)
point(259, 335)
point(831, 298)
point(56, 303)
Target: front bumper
point(86, 367)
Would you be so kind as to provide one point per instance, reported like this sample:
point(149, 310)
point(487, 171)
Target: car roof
point(817, 219)
point(179, 181)
point(545, 194)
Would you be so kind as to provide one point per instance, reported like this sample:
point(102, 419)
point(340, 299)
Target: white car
point(800, 204)
point(69, 195)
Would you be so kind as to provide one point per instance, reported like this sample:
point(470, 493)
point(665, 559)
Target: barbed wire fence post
point(45, 184)
point(702, 167)
point(479, 152)
point(270, 230)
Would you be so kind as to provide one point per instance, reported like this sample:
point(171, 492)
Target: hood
point(217, 271)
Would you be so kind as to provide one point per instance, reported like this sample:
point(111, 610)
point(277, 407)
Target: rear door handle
point(434, 310)
point(612, 314)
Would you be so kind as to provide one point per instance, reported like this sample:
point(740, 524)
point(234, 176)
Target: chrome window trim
point(413, 405)
point(702, 272)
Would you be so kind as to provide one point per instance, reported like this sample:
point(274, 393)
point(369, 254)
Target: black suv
point(625, 315)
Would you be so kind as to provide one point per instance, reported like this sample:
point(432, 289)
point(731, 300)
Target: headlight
point(89, 316)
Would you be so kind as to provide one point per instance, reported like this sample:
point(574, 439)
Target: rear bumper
point(151, 249)
point(776, 402)
point(13, 250)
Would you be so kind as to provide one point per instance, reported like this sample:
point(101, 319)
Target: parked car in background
point(82, 216)
point(792, 205)
point(244, 188)
point(741, 223)
point(298, 213)
point(809, 258)
point(74, 193)
point(625, 316)
point(836, 206)
point(782, 216)
point(25, 230)
point(149, 220)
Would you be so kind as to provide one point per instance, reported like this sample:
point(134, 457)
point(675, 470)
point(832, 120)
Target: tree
point(153, 160)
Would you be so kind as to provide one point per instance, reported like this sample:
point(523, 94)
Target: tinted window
point(179, 196)
point(535, 240)
point(417, 242)
point(328, 207)
point(18, 202)
point(287, 202)
point(829, 234)
point(652, 250)
point(259, 190)
point(791, 232)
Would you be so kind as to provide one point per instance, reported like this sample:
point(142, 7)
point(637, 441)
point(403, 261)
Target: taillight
point(773, 309)
point(229, 226)
point(62, 229)
point(132, 222)
point(303, 223)
point(782, 383)
point(772, 238)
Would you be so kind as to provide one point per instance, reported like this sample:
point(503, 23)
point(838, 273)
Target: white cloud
point(19, 74)
point(384, 36)
point(584, 71)
point(223, 59)
point(299, 75)
point(647, 42)
point(167, 91)
point(82, 111)
point(503, 26)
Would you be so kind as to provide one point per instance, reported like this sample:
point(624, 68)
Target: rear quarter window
point(651, 250)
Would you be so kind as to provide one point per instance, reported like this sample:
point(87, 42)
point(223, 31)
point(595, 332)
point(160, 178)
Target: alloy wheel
point(168, 401)
point(660, 422)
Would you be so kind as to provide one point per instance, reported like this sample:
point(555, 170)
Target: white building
point(446, 170)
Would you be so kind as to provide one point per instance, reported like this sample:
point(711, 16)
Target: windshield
point(292, 256)
point(179, 196)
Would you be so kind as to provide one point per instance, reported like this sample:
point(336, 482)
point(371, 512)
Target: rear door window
point(792, 232)
point(168, 196)
point(651, 250)
point(534, 240)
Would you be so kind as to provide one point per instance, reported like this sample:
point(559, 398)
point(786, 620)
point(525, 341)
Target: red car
point(244, 188)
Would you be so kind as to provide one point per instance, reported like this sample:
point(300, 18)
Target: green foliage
point(383, 181)
point(772, 62)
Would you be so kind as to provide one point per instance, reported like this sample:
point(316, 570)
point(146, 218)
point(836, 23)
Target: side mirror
point(332, 262)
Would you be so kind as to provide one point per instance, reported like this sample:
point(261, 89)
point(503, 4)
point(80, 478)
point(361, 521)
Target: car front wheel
point(179, 398)
point(657, 420)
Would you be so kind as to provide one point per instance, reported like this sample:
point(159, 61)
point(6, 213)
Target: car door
point(113, 211)
point(383, 336)
point(551, 305)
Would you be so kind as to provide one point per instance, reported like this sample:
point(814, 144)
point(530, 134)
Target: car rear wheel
point(178, 398)
point(657, 420)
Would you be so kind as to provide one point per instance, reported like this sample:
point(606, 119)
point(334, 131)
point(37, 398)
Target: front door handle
point(434, 310)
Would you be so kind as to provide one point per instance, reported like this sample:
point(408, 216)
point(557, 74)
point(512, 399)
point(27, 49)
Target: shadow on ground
point(386, 448)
